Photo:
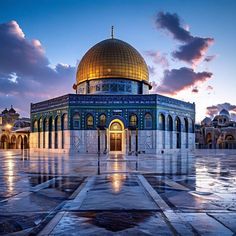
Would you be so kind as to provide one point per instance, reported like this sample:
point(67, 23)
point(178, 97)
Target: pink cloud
point(176, 80)
point(158, 58)
point(25, 72)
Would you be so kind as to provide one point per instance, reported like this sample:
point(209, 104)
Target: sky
point(189, 47)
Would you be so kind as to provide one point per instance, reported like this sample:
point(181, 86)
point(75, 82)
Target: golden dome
point(112, 58)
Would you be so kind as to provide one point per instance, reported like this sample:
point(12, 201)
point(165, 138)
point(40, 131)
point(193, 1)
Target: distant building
point(14, 131)
point(219, 132)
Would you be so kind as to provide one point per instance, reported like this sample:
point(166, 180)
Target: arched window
point(56, 125)
point(64, 125)
point(89, 121)
point(133, 120)
point(45, 127)
point(161, 122)
point(178, 132)
point(50, 133)
point(177, 124)
point(186, 125)
point(148, 121)
point(40, 124)
point(35, 126)
point(102, 120)
point(193, 127)
point(64, 122)
point(170, 129)
point(76, 121)
point(186, 130)
point(170, 123)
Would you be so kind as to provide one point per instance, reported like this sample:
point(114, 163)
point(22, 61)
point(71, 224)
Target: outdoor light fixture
point(8, 126)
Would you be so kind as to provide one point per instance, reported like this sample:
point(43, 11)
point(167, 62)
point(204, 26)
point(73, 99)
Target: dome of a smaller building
point(12, 110)
point(224, 112)
point(206, 121)
point(5, 111)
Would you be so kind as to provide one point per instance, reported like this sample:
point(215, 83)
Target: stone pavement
point(187, 194)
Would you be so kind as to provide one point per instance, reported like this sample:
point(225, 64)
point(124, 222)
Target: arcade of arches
point(14, 141)
point(60, 133)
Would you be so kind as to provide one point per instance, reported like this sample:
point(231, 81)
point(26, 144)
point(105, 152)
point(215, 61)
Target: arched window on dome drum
point(89, 121)
point(102, 120)
point(76, 121)
point(161, 122)
point(148, 121)
point(133, 121)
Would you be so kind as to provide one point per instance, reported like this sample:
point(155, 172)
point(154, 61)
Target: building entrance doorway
point(116, 136)
point(115, 142)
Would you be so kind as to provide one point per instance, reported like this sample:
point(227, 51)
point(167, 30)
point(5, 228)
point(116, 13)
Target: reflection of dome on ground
point(112, 58)
point(224, 112)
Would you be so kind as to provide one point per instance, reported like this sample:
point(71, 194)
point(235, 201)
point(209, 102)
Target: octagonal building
point(112, 110)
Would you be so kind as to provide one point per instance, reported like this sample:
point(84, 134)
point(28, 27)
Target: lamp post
point(99, 152)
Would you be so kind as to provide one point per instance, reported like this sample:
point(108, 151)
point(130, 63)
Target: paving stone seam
point(43, 185)
point(52, 224)
point(80, 197)
point(212, 216)
point(77, 191)
point(182, 228)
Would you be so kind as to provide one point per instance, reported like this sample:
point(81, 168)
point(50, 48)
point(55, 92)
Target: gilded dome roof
point(112, 58)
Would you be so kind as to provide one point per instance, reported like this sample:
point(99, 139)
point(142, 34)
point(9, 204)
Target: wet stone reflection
point(161, 193)
point(116, 221)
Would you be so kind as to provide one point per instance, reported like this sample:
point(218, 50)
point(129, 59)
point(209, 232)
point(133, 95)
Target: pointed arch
point(178, 132)
point(148, 121)
point(161, 120)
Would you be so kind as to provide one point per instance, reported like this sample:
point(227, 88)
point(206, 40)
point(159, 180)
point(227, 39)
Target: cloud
point(151, 70)
point(193, 49)
point(25, 71)
point(158, 58)
point(215, 109)
point(176, 80)
point(171, 22)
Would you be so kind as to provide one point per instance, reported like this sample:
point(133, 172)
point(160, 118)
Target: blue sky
point(67, 29)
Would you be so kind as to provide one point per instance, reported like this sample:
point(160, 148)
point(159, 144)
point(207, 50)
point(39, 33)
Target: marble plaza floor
point(179, 194)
